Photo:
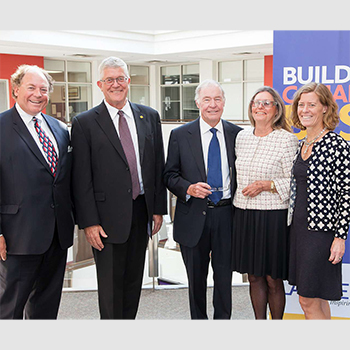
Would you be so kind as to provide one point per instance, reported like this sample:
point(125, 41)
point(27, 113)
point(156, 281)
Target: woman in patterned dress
point(319, 210)
point(260, 234)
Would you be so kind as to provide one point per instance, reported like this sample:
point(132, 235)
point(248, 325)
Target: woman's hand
point(337, 250)
point(256, 188)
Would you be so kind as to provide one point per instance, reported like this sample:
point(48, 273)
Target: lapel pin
point(141, 116)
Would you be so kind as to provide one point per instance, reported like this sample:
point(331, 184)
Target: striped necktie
point(48, 147)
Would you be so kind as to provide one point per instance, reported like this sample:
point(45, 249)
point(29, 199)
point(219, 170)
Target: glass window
point(4, 95)
point(230, 71)
point(139, 75)
point(79, 97)
point(139, 84)
point(254, 69)
point(171, 103)
point(190, 74)
point(55, 69)
point(139, 94)
point(79, 72)
point(57, 105)
point(73, 96)
point(178, 100)
point(233, 92)
point(240, 79)
point(170, 75)
point(190, 110)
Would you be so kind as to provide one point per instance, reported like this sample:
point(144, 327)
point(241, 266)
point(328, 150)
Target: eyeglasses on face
point(265, 103)
point(119, 80)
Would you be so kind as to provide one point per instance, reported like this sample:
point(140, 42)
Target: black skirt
point(260, 243)
point(309, 268)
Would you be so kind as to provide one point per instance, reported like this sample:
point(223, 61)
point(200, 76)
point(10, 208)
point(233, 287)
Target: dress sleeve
point(342, 173)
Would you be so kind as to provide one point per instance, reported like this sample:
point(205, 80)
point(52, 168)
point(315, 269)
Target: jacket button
point(204, 213)
point(129, 190)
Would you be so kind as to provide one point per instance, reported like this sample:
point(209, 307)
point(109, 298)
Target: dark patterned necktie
point(214, 177)
point(48, 147)
point(128, 147)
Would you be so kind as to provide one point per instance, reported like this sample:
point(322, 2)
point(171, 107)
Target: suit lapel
point(24, 133)
point(229, 140)
point(195, 141)
point(105, 122)
point(141, 128)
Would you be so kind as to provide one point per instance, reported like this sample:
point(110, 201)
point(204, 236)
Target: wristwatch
point(273, 187)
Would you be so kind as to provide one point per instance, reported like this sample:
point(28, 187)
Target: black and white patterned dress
point(319, 212)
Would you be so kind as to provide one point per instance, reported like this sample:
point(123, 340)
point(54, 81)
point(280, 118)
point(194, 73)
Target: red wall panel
point(268, 66)
point(9, 64)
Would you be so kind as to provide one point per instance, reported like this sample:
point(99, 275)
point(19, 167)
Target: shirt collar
point(114, 111)
point(205, 127)
point(27, 118)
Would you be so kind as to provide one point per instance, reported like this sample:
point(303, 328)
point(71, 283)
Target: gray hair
point(204, 84)
point(113, 62)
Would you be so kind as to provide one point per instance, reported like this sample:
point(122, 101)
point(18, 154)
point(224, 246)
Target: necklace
point(308, 144)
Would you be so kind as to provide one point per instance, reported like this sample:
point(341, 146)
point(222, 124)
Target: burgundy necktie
point(48, 147)
point(128, 147)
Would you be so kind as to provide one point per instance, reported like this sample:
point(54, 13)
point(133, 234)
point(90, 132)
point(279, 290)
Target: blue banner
point(301, 57)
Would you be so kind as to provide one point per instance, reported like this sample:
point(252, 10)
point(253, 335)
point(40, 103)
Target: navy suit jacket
point(185, 166)
point(32, 201)
point(101, 176)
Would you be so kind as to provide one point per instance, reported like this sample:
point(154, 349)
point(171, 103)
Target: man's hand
point(93, 233)
point(199, 190)
point(3, 252)
point(157, 223)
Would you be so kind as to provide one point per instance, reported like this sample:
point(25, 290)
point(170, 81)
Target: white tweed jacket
point(264, 158)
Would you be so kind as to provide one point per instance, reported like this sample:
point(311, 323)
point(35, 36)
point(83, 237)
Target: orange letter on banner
point(345, 118)
point(339, 93)
point(285, 91)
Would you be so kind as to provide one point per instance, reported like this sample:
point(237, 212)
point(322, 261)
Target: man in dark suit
point(200, 171)
point(36, 217)
point(118, 188)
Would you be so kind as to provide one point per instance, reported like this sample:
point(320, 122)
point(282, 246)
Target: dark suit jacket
point(185, 166)
point(32, 200)
point(101, 177)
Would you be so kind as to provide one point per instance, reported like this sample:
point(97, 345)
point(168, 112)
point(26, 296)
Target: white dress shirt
point(206, 136)
point(129, 116)
point(29, 123)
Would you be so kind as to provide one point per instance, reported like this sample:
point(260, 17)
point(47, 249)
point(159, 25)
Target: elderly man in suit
point(200, 171)
point(118, 162)
point(36, 216)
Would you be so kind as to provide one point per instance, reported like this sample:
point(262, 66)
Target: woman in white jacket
point(260, 233)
